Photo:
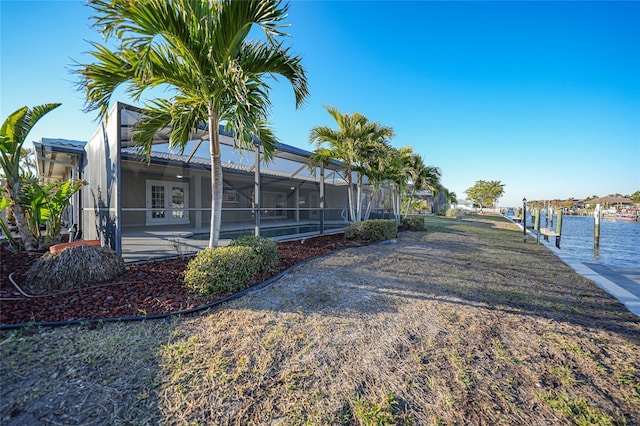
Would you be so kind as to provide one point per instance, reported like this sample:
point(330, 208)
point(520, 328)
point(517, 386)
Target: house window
point(229, 195)
point(166, 202)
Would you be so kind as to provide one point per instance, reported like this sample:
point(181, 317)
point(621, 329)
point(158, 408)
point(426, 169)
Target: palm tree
point(450, 196)
point(396, 172)
point(371, 163)
point(355, 137)
point(421, 176)
point(375, 163)
point(13, 135)
point(199, 50)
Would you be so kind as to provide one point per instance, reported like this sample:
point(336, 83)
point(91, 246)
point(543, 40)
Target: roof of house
point(54, 156)
point(132, 114)
point(610, 200)
point(424, 193)
point(165, 158)
point(53, 165)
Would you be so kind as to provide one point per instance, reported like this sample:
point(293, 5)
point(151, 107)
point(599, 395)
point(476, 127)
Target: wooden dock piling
point(596, 228)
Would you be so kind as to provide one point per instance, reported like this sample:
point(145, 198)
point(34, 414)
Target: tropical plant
point(422, 177)
point(450, 196)
point(396, 172)
point(375, 164)
point(45, 205)
point(13, 135)
point(27, 160)
point(199, 50)
point(371, 164)
point(352, 144)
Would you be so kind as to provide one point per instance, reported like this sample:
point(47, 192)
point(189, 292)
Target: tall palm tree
point(396, 172)
point(375, 164)
point(199, 50)
point(13, 135)
point(349, 144)
point(372, 160)
point(414, 168)
point(451, 197)
point(422, 177)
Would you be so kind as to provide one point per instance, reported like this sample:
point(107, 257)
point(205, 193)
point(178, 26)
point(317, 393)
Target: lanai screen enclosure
point(131, 200)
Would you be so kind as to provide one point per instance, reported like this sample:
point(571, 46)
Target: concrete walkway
point(623, 283)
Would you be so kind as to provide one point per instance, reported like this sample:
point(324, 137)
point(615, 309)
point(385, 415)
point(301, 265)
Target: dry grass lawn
point(463, 324)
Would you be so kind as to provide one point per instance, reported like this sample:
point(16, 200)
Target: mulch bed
point(145, 289)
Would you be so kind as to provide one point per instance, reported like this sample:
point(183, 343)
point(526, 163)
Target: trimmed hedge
point(220, 270)
point(372, 230)
point(414, 223)
point(265, 248)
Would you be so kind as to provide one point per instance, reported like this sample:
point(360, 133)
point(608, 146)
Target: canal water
point(619, 240)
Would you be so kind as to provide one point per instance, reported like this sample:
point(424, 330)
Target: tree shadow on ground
point(457, 268)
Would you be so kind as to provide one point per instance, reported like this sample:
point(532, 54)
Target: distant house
point(578, 203)
point(570, 204)
point(432, 203)
point(610, 202)
point(465, 205)
point(169, 193)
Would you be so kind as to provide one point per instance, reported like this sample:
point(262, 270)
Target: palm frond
point(260, 58)
point(10, 126)
point(100, 79)
point(156, 116)
point(237, 17)
point(27, 120)
point(180, 117)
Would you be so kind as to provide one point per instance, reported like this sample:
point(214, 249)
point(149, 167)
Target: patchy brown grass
point(462, 324)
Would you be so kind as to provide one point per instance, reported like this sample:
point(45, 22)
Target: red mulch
point(145, 289)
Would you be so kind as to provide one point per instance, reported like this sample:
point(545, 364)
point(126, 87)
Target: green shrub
point(372, 230)
point(452, 213)
point(414, 223)
point(265, 248)
point(220, 270)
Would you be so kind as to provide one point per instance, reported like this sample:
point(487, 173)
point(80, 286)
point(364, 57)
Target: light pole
point(524, 218)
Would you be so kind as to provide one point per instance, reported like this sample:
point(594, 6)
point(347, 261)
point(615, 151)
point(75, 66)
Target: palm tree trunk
point(359, 199)
point(367, 212)
point(216, 180)
point(393, 201)
point(406, 211)
point(13, 188)
point(21, 223)
point(396, 207)
point(350, 195)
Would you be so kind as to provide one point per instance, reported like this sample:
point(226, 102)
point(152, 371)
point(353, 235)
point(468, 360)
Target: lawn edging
point(252, 289)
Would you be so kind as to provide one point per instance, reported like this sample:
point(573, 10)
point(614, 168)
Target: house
point(433, 204)
point(61, 159)
point(615, 203)
point(167, 195)
point(464, 205)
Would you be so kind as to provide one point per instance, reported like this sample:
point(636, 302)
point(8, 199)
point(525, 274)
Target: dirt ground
point(463, 324)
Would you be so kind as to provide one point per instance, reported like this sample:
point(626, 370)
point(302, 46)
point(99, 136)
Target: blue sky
point(543, 96)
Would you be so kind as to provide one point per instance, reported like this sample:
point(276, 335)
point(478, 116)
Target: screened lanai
point(160, 205)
